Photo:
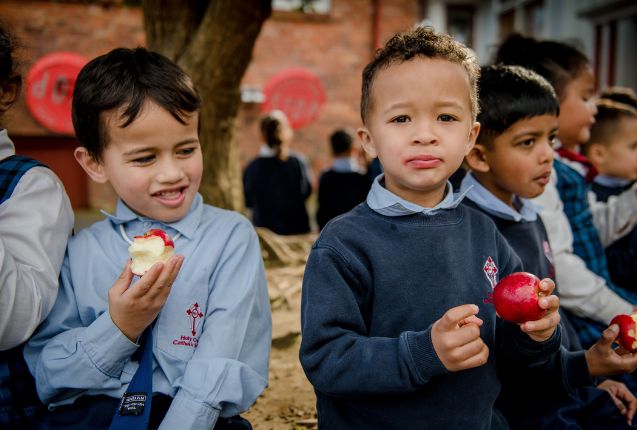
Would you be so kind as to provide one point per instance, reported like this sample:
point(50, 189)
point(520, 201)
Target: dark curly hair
point(423, 42)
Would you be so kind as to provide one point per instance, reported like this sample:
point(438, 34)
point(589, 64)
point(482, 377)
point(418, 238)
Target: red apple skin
point(626, 325)
point(161, 233)
point(516, 298)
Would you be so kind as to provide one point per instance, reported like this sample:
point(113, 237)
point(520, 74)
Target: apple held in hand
point(154, 246)
point(516, 298)
point(627, 332)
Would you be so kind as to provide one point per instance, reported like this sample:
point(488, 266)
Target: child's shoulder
point(219, 219)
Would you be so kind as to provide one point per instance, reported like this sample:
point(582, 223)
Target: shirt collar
point(185, 226)
point(611, 181)
point(345, 165)
point(6, 145)
point(383, 201)
point(491, 204)
point(266, 151)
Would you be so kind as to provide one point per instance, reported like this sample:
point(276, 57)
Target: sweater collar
point(383, 201)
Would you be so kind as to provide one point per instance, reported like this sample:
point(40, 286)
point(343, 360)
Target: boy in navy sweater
point(510, 164)
point(396, 330)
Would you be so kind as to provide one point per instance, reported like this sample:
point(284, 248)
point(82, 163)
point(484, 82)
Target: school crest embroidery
point(194, 317)
point(491, 271)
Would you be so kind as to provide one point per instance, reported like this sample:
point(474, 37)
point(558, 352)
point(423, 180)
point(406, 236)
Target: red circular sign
point(49, 90)
point(298, 93)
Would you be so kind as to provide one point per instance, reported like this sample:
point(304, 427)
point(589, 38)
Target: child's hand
point(543, 328)
point(602, 359)
point(132, 309)
point(623, 398)
point(456, 339)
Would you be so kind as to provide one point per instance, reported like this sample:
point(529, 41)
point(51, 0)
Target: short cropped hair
point(127, 78)
point(509, 94)
point(341, 141)
point(422, 42)
point(609, 114)
point(624, 95)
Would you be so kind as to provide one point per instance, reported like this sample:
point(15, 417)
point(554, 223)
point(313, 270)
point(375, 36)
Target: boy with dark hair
point(612, 149)
point(343, 186)
point(396, 332)
point(510, 164)
point(191, 337)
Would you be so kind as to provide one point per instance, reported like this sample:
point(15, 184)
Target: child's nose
point(424, 134)
point(169, 172)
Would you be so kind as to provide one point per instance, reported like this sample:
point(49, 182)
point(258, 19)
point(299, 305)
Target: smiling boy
point(396, 332)
point(205, 312)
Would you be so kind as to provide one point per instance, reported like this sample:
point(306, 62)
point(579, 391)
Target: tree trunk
point(213, 41)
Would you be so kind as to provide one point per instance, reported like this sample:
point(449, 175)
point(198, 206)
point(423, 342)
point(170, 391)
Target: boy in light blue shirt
point(136, 115)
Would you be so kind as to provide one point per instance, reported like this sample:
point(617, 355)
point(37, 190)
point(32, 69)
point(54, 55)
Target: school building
point(307, 63)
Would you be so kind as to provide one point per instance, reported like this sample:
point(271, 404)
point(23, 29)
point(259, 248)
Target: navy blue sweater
point(373, 287)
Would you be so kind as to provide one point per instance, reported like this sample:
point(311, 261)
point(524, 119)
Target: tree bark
point(213, 41)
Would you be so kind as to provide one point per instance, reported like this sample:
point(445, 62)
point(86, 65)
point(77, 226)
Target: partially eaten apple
point(154, 246)
point(627, 332)
point(516, 298)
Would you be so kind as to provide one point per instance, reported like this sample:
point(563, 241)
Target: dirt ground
point(289, 401)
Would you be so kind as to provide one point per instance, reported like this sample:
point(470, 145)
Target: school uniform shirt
point(35, 223)
point(211, 338)
point(376, 280)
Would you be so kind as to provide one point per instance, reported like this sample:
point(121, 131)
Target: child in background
point(395, 330)
point(205, 312)
point(578, 243)
point(277, 183)
point(612, 149)
point(36, 220)
point(509, 165)
point(343, 186)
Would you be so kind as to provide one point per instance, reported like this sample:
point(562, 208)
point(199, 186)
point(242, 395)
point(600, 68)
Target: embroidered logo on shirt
point(194, 317)
point(491, 271)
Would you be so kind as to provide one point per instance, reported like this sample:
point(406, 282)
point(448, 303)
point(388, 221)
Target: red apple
point(154, 246)
point(516, 298)
point(626, 338)
point(158, 232)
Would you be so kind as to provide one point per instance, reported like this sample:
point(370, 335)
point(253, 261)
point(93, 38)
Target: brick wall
point(334, 47)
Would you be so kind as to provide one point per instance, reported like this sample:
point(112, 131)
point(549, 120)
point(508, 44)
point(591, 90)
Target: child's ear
point(596, 154)
point(473, 135)
point(366, 141)
point(476, 159)
point(91, 166)
point(9, 92)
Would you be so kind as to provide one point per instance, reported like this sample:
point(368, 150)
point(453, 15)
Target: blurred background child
point(343, 185)
point(612, 149)
point(277, 183)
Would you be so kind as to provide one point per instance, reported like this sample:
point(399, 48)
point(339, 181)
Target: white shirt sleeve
point(581, 291)
point(35, 224)
point(616, 217)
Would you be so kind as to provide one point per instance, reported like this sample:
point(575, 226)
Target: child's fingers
point(451, 319)
point(547, 285)
point(550, 303)
point(161, 287)
point(123, 280)
point(608, 337)
point(471, 320)
point(476, 359)
point(145, 283)
point(548, 322)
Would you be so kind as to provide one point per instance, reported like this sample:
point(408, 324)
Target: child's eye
point(144, 160)
point(186, 151)
point(528, 142)
point(401, 118)
point(446, 118)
